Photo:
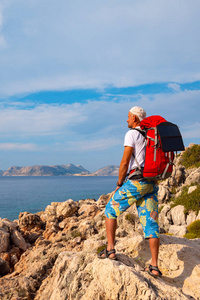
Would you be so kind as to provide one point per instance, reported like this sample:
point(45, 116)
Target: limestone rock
point(191, 217)
point(66, 209)
point(30, 221)
point(30, 271)
point(178, 176)
point(165, 219)
point(178, 216)
point(87, 228)
point(4, 267)
point(4, 240)
point(178, 230)
point(18, 240)
point(83, 276)
point(192, 189)
point(51, 209)
point(87, 211)
point(194, 177)
point(78, 274)
point(15, 255)
point(8, 225)
point(61, 261)
point(103, 200)
point(198, 216)
point(5, 256)
point(163, 194)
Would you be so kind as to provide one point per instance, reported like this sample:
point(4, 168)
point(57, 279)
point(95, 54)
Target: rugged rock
point(192, 189)
point(8, 225)
point(193, 177)
point(28, 221)
point(191, 217)
point(18, 240)
point(178, 216)
point(63, 264)
point(80, 275)
point(4, 267)
point(4, 240)
point(178, 230)
point(103, 200)
point(52, 254)
point(66, 209)
point(163, 194)
point(165, 219)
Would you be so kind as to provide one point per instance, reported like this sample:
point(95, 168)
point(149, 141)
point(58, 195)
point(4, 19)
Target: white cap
point(139, 112)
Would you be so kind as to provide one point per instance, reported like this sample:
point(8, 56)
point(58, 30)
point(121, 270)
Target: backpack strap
point(140, 169)
point(140, 131)
point(167, 166)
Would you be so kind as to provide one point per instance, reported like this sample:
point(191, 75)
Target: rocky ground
point(52, 254)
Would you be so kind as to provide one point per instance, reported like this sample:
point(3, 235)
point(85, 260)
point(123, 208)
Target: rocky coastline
point(59, 170)
point(52, 254)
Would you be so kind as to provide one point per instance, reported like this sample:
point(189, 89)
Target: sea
point(34, 193)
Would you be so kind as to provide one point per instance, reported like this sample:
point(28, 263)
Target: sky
point(71, 70)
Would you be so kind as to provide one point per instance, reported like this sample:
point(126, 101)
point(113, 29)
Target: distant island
point(59, 170)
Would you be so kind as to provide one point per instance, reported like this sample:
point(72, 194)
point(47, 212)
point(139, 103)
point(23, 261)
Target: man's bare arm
point(123, 168)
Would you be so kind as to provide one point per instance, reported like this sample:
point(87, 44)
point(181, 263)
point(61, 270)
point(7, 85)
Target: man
point(134, 190)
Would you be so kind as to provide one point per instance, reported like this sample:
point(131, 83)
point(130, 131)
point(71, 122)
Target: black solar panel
point(171, 139)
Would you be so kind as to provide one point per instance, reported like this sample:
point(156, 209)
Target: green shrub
point(130, 218)
point(191, 157)
point(173, 190)
point(190, 236)
point(193, 230)
point(189, 201)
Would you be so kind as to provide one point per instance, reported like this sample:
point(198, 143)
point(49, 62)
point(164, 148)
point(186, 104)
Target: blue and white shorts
point(145, 194)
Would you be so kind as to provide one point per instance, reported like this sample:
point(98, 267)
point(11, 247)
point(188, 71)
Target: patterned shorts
point(144, 194)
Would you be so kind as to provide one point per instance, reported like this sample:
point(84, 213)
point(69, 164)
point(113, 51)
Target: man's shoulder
point(131, 136)
point(132, 132)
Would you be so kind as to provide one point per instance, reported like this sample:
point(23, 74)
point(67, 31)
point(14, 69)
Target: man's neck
point(136, 125)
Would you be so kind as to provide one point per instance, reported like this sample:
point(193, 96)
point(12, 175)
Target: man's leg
point(120, 202)
point(148, 213)
point(154, 247)
point(111, 225)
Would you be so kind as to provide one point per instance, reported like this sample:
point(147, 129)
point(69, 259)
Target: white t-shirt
point(136, 140)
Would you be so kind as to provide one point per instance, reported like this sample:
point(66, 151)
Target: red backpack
point(162, 139)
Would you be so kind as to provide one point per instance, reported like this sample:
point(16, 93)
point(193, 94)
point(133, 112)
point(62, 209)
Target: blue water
point(33, 194)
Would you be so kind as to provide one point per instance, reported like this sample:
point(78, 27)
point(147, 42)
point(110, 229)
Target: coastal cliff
point(59, 170)
point(52, 254)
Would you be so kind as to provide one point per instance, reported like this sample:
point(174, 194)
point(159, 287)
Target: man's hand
point(118, 187)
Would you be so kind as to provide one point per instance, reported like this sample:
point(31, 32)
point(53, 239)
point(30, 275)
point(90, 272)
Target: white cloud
point(94, 145)
point(76, 132)
point(95, 120)
point(41, 120)
point(192, 131)
point(2, 42)
point(2, 38)
point(67, 44)
point(175, 87)
point(18, 147)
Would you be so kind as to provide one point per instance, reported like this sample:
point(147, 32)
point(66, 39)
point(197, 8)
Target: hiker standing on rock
point(135, 189)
